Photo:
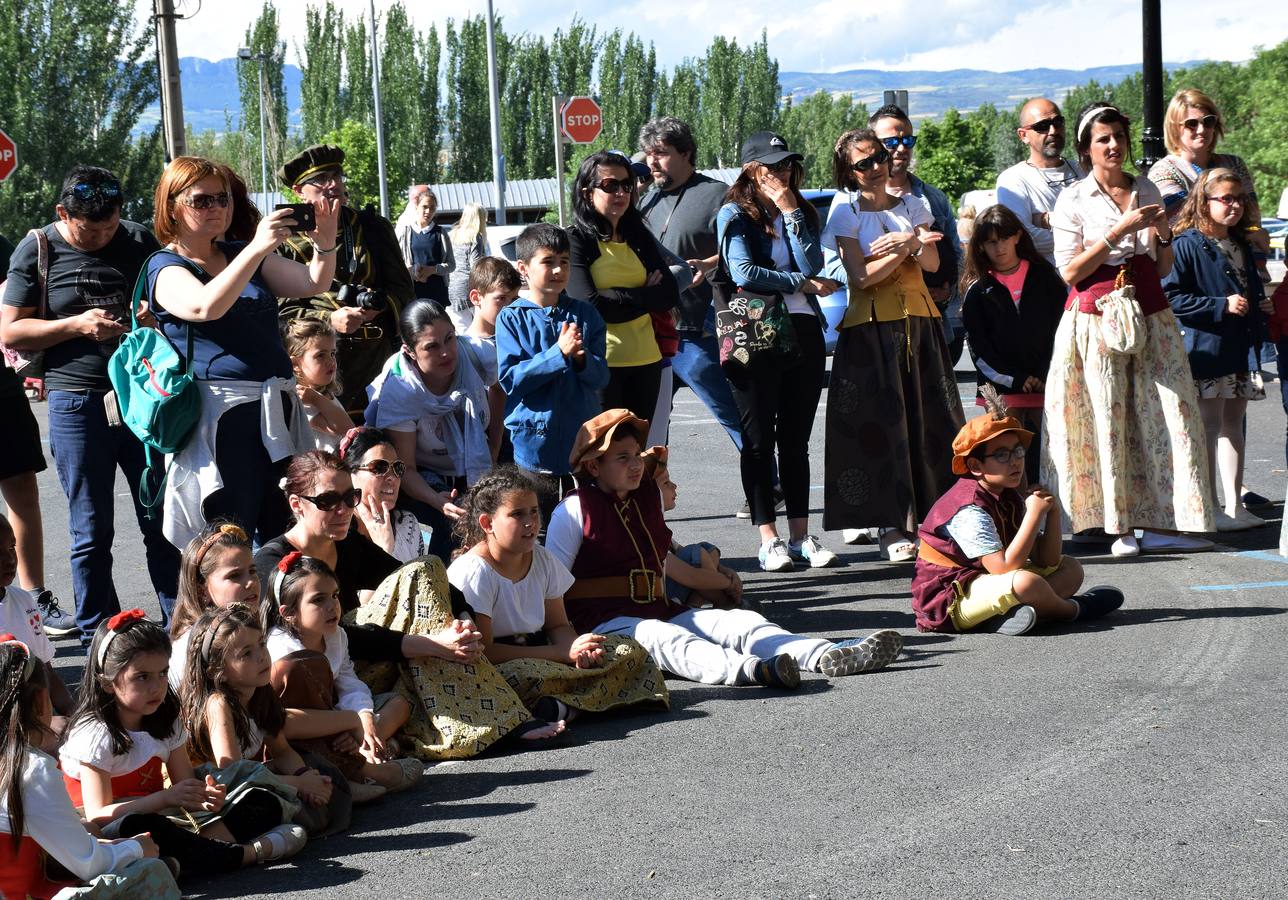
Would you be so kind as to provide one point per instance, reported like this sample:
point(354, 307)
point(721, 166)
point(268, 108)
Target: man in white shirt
point(1030, 188)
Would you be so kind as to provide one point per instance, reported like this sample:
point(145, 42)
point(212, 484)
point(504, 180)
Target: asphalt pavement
point(1139, 756)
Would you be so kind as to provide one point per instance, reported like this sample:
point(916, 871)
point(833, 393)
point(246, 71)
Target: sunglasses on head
point(880, 158)
point(1042, 126)
point(381, 467)
point(206, 201)
point(1208, 122)
point(892, 143)
point(103, 190)
point(616, 186)
point(332, 499)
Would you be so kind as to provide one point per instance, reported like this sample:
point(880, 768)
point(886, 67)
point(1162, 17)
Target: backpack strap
point(141, 291)
point(42, 268)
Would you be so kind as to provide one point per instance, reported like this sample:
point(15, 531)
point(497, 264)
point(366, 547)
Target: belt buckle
point(650, 579)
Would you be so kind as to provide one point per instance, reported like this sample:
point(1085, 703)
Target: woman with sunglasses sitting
point(460, 704)
point(892, 407)
point(378, 472)
point(220, 298)
point(618, 267)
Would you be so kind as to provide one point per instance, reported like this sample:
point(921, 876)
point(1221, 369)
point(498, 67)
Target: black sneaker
point(1020, 620)
point(1098, 601)
point(780, 505)
point(57, 623)
point(782, 672)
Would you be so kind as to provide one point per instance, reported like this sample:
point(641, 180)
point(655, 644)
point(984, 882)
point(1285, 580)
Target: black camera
point(361, 297)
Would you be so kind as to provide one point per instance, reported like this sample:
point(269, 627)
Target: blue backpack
point(156, 395)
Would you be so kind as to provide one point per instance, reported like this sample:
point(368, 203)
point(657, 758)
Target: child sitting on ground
point(550, 360)
point(695, 576)
point(990, 558)
point(612, 535)
point(311, 345)
point(494, 284)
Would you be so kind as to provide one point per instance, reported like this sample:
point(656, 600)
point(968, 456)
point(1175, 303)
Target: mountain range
point(211, 100)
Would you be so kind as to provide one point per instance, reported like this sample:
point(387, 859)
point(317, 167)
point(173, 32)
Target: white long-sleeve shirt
point(353, 691)
point(50, 821)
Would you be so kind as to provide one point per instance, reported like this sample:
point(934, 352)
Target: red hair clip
point(289, 560)
point(124, 618)
point(347, 441)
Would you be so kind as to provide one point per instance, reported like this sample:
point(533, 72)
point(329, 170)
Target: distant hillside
point(211, 100)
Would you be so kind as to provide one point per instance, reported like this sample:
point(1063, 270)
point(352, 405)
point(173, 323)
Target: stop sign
point(581, 119)
point(9, 155)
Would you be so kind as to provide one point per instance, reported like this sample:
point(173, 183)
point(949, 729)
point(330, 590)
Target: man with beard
point(1030, 188)
point(369, 260)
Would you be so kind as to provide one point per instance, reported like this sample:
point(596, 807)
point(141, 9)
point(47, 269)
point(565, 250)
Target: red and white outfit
point(135, 773)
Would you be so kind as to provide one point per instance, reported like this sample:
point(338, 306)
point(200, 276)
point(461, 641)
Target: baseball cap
point(768, 148)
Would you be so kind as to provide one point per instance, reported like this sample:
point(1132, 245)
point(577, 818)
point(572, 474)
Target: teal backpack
point(156, 395)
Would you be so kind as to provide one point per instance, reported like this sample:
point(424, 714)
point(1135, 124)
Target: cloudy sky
point(831, 35)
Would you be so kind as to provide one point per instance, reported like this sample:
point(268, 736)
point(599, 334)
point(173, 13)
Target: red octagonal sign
point(8, 156)
point(581, 119)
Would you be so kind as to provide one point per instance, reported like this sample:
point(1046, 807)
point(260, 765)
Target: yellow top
point(901, 295)
point(629, 343)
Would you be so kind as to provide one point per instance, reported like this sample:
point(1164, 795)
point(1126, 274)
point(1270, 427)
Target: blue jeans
point(697, 363)
point(87, 452)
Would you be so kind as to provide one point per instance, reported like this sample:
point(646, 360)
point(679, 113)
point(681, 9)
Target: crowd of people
point(422, 510)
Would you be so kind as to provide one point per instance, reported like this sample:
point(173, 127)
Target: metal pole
point(263, 135)
point(168, 69)
point(559, 158)
point(1151, 142)
point(380, 128)
point(494, 103)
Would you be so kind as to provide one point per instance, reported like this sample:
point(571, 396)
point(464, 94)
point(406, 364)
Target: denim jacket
point(742, 259)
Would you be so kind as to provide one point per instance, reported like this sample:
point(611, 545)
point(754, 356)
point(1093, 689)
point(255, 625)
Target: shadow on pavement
point(1151, 615)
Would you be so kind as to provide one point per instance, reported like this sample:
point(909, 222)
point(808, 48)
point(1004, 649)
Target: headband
point(1085, 122)
point(115, 625)
point(30, 665)
point(228, 528)
point(349, 437)
point(283, 567)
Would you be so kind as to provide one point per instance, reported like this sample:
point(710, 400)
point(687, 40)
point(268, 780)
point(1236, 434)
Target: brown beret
point(594, 436)
point(981, 430)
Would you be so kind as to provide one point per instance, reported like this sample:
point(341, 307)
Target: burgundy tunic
point(626, 539)
point(933, 590)
point(1143, 273)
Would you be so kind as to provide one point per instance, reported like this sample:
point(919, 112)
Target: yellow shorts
point(989, 595)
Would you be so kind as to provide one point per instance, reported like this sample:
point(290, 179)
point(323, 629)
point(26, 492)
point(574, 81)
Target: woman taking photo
point(618, 267)
point(468, 238)
point(1124, 433)
point(431, 399)
point(1216, 294)
point(426, 249)
point(223, 295)
point(892, 406)
point(768, 238)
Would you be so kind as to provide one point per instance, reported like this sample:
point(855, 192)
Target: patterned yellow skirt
point(628, 676)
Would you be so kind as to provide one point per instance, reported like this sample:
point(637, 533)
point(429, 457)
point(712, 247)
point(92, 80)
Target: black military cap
point(310, 163)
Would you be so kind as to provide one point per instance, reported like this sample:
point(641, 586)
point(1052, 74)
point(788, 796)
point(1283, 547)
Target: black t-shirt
point(684, 221)
point(80, 280)
point(10, 381)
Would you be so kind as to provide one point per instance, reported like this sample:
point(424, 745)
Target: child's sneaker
point(775, 557)
point(876, 651)
point(1020, 620)
point(781, 671)
point(811, 550)
point(1098, 601)
point(57, 623)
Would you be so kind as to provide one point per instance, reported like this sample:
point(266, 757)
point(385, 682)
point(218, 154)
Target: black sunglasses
point(206, 201)
point(783, 165)
point(1208, 122)
point(880, 158)
point(103, 190)
point(1042, 126)
point(331, 499)
point(381, 467)
point(616, 186)
point(892, 143)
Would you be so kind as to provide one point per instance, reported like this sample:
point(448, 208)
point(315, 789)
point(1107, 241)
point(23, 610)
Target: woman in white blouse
point(1125, 440)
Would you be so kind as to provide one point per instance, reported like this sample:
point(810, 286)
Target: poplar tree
point(262, 39)
point(321, 62)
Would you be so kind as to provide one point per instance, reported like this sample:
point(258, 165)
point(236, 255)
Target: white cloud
point(829, 35)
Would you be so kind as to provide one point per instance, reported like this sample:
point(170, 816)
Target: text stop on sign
point(582, 120)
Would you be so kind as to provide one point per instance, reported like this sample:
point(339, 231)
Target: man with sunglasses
point(1030, 188)
point(369, 260)
point(90, 259)
point(894, 129)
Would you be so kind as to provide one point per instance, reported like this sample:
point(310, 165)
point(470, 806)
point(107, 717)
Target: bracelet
point(322, 252)
point(920, 247)
point(300, 771)
point(1113, 248)
point(1163, 243)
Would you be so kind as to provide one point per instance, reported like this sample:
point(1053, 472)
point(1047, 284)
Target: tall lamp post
point(1151, 141)
point(246, 53)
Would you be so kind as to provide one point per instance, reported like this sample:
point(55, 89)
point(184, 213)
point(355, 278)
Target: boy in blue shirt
point(550, 355)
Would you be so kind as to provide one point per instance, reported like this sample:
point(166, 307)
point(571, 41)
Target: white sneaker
point(856, 536)
point(811, 550)
point(1155, 542)
point(1125, 545)
point(775, 557)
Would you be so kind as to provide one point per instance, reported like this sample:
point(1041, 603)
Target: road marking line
point(1250, 585)
point(1263, 555)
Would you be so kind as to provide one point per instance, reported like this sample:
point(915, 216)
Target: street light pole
point(380, 128)
point(494, 104)
point(171, 94)
point(246, 54)
point(1151, 141)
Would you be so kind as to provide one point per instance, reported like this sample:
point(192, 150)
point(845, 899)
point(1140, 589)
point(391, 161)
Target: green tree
point(78, 76)
point(684, 98)
point(429, 54)
point(400, 89)
point(357, 103)
point(954, 154)
point(321, 62)
point(572, 57)
point(468, 120)
point(527, 130)
point(361, 172)
point(760, 90)
point(718, 127)
point(812, 126)
point(262, 39)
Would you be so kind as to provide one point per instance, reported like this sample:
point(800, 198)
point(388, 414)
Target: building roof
point(521, 193)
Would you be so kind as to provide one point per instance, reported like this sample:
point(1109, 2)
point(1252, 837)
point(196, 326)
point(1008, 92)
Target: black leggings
point(254, 814)
point(634, 388)
point(776, 404)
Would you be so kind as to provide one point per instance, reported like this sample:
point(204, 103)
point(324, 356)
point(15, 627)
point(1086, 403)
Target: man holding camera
point(371, 282)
